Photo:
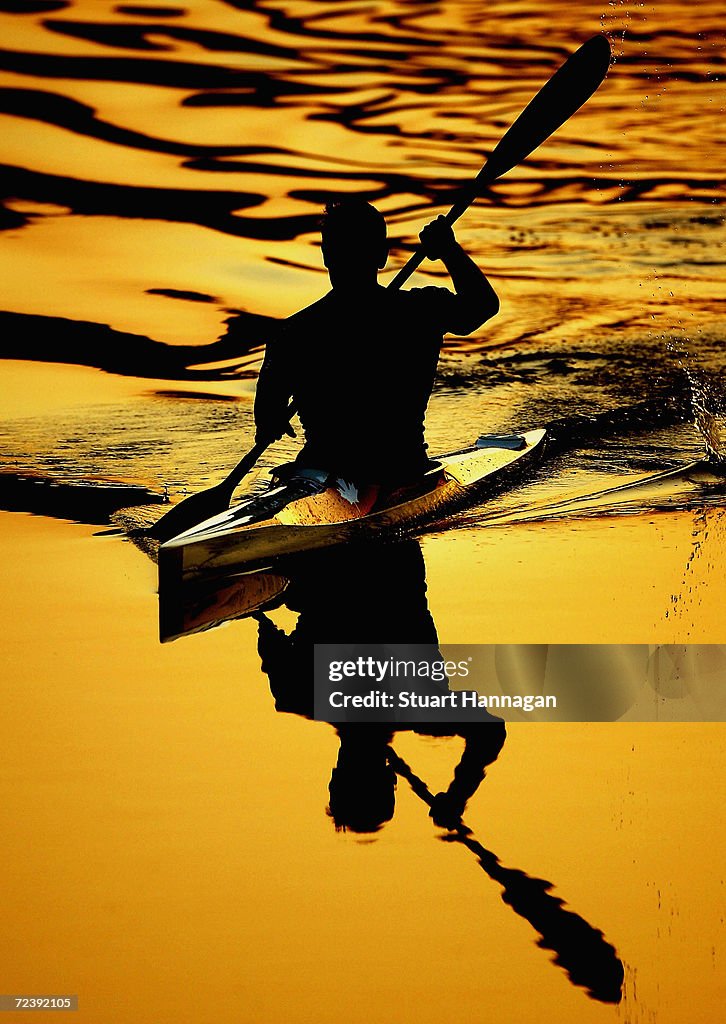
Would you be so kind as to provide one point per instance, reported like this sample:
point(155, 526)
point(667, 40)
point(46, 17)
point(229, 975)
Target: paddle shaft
point(581, 950)
point(245, 464)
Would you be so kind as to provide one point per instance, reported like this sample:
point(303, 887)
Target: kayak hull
point(256, 531)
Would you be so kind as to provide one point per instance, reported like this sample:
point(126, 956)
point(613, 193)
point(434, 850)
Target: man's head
point(355, 247)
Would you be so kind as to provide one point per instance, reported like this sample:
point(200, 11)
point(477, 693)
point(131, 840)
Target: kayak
point(312, 511)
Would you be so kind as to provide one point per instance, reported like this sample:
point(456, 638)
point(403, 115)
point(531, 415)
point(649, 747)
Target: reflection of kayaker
point(359, 364)
point(361, 594)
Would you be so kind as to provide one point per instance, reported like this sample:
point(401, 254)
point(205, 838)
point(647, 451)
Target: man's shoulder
point(316, 311)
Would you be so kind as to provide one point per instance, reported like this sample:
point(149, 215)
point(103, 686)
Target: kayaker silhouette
point(359, 364)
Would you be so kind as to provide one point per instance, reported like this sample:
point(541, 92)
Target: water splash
point(703, 401)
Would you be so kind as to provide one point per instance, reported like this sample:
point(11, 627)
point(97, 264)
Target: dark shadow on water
point(194, 396)
point(213, 209)
point(125, 36)
point(148, 11)
point(53, 339)
point(73, 116)
point(184, 295)
point(32, 6)
point(81, 501)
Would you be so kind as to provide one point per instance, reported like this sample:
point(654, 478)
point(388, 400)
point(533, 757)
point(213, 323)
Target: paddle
point(573, 83)
point(198, 507)
point(580, 949)
point(563, 94)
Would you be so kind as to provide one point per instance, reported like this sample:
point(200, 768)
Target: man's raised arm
point(478, 301)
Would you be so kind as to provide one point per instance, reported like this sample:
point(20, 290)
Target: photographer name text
point(457, 699)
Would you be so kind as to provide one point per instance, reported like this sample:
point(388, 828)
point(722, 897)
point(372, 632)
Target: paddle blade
point(189, 512)
point(557, 100)
point(198, 507)
point(570, 86)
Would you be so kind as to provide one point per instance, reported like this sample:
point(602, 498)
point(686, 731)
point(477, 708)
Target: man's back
point(360, 363)
point(361, 373)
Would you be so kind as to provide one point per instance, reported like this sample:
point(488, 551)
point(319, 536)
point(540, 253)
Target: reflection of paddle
point(556, 101)
point(580, 949)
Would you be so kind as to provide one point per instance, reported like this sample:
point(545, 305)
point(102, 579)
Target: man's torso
point(362, 370)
